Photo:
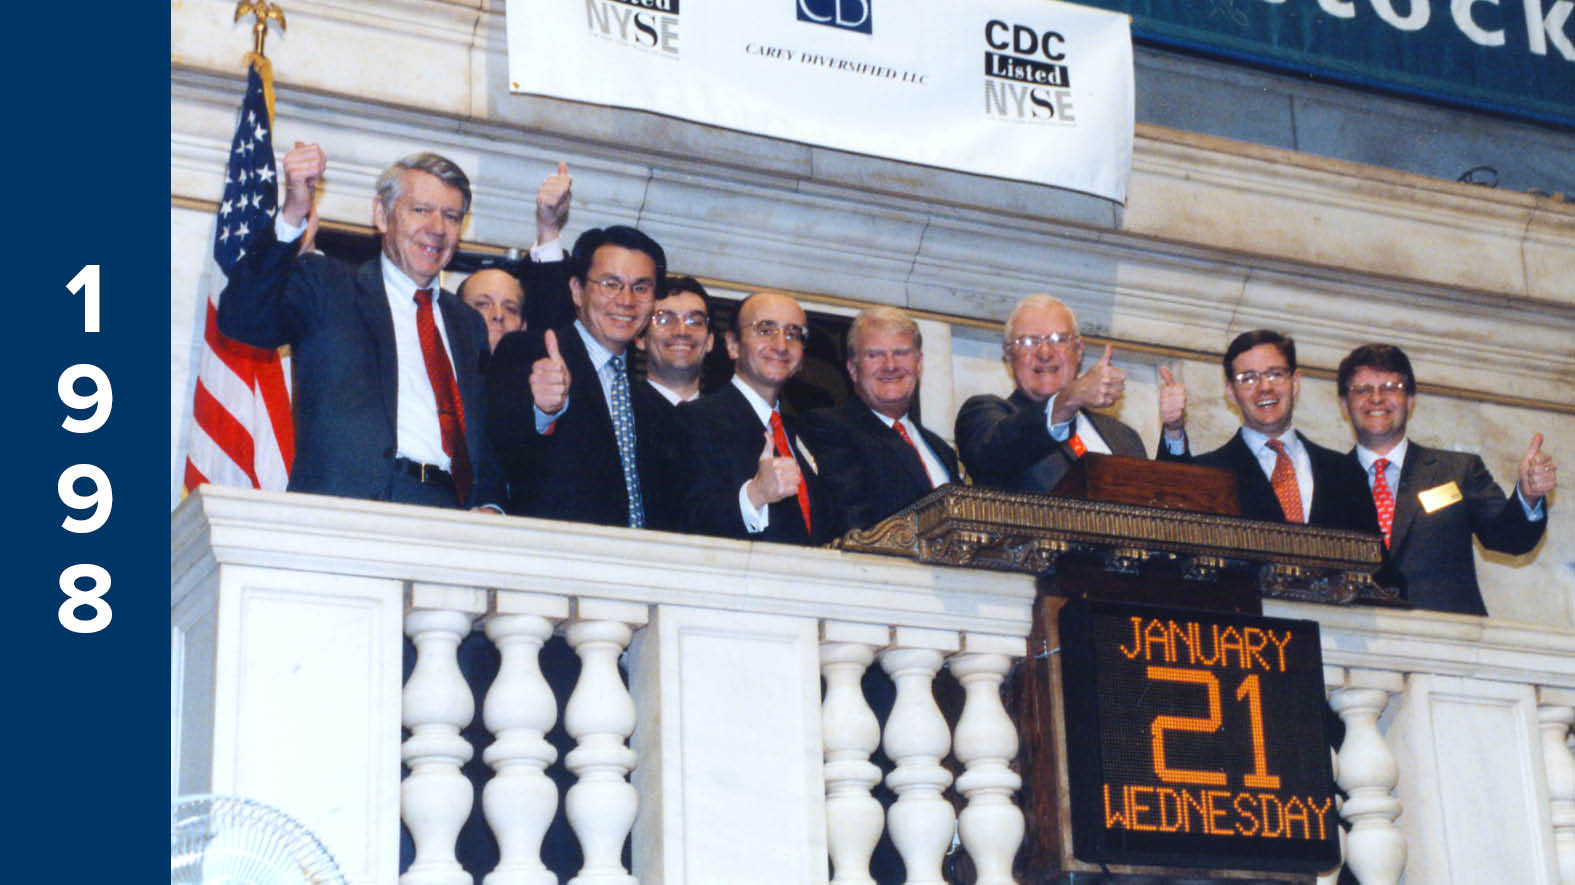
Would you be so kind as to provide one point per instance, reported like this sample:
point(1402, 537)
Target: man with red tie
point(1431, 502)
point(1027, 441)
point(390, 395)
point(749, 473)
point(1281, 476)
point(875, 453)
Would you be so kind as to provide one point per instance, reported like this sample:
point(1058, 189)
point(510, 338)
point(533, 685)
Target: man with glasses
point(750, 475)
point(1281, 476)
point(1027, 441)
point(576, 439)
point(880, 457)
point(1429, 501)
point(677, 341)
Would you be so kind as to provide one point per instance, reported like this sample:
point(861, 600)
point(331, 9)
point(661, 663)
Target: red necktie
point(1283, 479)
point(451, 412)
point(779, 438)
point(903, 432)
point(1383, 498)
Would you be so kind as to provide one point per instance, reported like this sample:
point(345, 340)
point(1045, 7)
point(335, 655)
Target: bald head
point(497, 296)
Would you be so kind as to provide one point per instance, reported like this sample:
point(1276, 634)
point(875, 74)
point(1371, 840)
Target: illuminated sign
point(1196, 739)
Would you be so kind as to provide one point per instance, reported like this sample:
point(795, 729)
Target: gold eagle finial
point(264, 11)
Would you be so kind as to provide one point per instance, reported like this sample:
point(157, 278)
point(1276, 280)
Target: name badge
point(804, 450)
point(1439, 497)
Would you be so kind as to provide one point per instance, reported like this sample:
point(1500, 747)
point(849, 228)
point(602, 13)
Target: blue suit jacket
point(1433, 550)
point(721, 442)
point(1341, 498)
point(872, 472)
point(1006, 445)
point(335, 318)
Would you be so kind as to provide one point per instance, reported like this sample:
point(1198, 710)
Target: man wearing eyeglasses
point(750, 475)
point(576, 439)
point(677, 341)
point(880, 457)
point(1281, 476)
point(1027, 441)
point(1429, 501)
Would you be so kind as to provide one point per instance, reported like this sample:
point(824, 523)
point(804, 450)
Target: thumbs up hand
point(303, 168)
point(549, 379)
point(552, 205)
point(1097, 388)
point(775, 478)
point(1538, 474)
point(1172, 403)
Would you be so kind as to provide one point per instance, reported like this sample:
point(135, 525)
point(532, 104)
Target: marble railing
point(739, 749)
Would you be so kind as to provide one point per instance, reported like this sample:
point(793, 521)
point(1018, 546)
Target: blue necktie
point(623, 428)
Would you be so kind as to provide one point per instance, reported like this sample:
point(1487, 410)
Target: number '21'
point(1248, 691)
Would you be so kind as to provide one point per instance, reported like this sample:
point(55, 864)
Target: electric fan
point(231, 840)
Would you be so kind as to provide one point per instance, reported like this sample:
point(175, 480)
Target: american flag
point(242, 433)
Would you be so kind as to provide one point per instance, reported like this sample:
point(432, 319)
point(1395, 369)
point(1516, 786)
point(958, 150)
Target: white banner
point(1033, 90)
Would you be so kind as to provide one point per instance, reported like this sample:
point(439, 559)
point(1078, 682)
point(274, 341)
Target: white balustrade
point(259, 580)
point(519, 799)
point(1555, 720)
point(436, 798)
point(921, 822)
point(850, 733)
point(991, 825)
point(600, 717)
point(1375, 849)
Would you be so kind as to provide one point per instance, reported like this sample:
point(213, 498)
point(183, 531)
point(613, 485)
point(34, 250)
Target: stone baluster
point(520, 800)
point(1334, 676)
point(436, 798)
point(1555, 715)
point(985, 742)
point(850, 733)
point(600, 717)
point(1375, 848)
point(921, 821)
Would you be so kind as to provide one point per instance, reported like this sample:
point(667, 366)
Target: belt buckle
point(423, 477)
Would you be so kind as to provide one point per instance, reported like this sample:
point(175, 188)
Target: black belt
point(426, 474)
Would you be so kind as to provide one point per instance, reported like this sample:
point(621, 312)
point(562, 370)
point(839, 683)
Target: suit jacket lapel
point(372, 302)
point(578, 359)
point(1256, 492)
point(890, 440)
point(1417, 464)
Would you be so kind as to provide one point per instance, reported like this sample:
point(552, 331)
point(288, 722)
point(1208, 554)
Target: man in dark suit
point(871, 451)
point(749, 473)
point(1026, 442)
point(1433, 501)
point(576, 439)
point(390, 397)
point(677, 341)
point(1281, 476)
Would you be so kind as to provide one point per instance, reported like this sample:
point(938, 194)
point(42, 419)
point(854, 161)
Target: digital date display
point(1196, 739)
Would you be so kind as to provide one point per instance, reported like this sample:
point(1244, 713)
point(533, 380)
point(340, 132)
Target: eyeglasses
point(1251, 378)
point(896, 353)
point(1054, 339)
point(692, 320)
point(792, 332)
point(612, 287)
point(1384, 389)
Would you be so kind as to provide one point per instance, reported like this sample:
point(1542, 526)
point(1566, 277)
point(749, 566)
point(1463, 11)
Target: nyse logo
point(849, 15)
point(1027, 79)
point(651, 25)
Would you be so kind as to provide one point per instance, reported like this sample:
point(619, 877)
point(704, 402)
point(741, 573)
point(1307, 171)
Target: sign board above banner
point(1032, 90)
point(1514, 57)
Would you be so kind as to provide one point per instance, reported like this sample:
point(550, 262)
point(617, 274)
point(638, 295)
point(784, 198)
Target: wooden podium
point(1169, 732)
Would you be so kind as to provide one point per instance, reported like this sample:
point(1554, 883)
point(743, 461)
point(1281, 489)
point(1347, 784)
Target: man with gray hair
point(878, 455)
point(390, 395)
point(1027, 441)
